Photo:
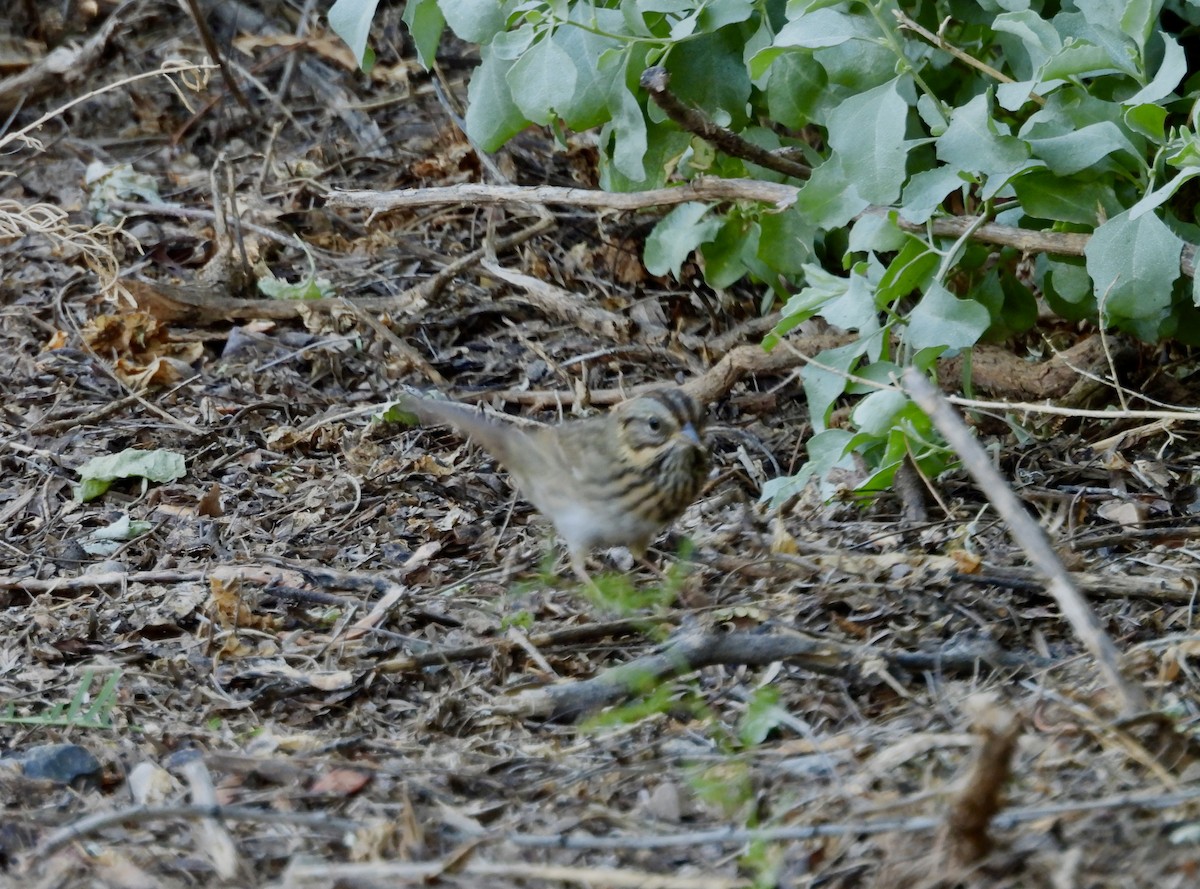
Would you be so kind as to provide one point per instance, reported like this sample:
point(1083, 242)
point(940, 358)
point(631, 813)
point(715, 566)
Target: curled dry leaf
point(143, 349)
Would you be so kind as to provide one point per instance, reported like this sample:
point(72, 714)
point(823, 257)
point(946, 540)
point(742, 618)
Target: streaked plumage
point(612, 480)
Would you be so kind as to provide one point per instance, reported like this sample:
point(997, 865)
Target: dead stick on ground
point(34, 585)
point(730, 835)
point(303, 874)
point(563, 305)
point(1030, 537)
point(712, 188)
point(684, 654)
point(144, 814)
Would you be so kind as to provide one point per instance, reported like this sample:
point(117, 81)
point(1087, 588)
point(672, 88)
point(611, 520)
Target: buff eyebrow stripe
point(674, 401)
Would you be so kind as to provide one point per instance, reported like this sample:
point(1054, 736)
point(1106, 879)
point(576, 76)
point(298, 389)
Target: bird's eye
point(654, 424)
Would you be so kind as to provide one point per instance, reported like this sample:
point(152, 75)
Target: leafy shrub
point(1053, 117)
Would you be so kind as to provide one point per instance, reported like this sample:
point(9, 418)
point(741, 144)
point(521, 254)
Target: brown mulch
point(328, 640)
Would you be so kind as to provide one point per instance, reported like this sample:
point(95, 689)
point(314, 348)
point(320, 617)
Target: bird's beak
point(689, 432)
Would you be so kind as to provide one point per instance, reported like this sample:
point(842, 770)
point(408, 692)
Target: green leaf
point(867, 130)
point(857, 65)
point(847, 45)
point(598, 63)
point(665, 145)
point(786, 240)
point(829, 198)
point(122, 529)
point(1170, 73)
point(1094, 45)
point(876, 414)
point(724, 255)
point(1182, 148)
point(675, 237)
point(1086, 201)
point(824, 386)
point(926, 190)
point(1147, 120)
point(1085, 60)
point(716, 14)
point(393, 412)
point(351, 20)
point(1012, 96)
point(911, 434)
point(822, 27)
point(725, 785)
point(542, 80)
point(492, 116)
point(1067, 288)
point(475, 21)
point(827, 451)
point(911, 269)
point(1010, 304)
point(307, 288)
point(764, 138)
point(702, 18)
point(822, 288)
point(626, 133)
point(1132, 18)
point(762, 716)
point(425, 23)
point(1082, 148)
point(1028, 41)
point(1164, 192)
point(877, 232)
point(856, 308)
point(1133, 264)
point(796, 91)
point(616, 593)
point(107, 540)
point(107, 185)
point(975, 143)
point(86, 709)
point(848, 303)
point(885, 373)
point(98, 474)
point(942, 319)
point(708, 72)
point(509, 45)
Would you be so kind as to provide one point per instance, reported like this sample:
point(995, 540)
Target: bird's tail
point(498, 437)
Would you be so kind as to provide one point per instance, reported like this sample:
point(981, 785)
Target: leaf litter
point(243, 627)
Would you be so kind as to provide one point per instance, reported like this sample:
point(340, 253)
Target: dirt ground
point(344, 653)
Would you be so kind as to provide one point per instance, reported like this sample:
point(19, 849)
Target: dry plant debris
point(346, 654)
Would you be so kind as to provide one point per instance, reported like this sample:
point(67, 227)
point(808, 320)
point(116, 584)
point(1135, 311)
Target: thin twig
point(941, 43)
point(920, 824)
point(707, 188)
point(166, 69)
point(51, 424)
point(34, 585)
point(304, 873)
point(214, 52)
point(693, 650)
point(137, 208)
point(92, 824)
point(655, 82)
